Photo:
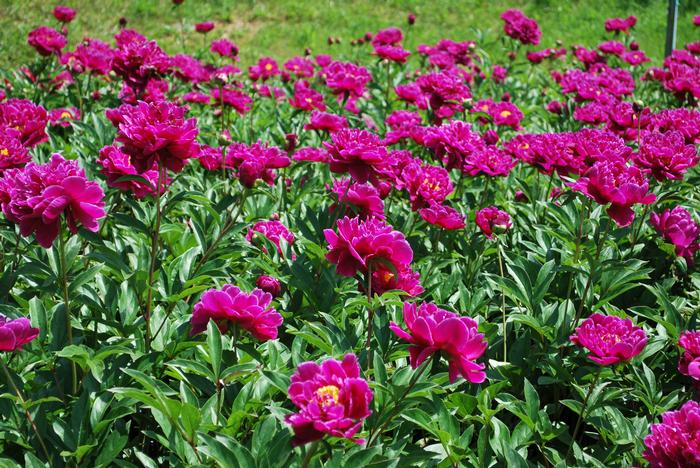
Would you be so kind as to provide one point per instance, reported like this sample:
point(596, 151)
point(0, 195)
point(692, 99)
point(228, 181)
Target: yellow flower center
point(268, 67)
point(4, 152)
point(431, 185)
point(485, 108)
point(328, 395)
point(308, 99)
point(66, 115)
point(388, 276)
point(505, 113)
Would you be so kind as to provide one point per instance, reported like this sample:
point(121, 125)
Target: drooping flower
point(678, 227)
point(274, 231)
point(46, 40)
point(155, 132)
point(116, 164)
point(492, 220)
point(432, 329)
point(26, 117)
point(12, 152)
point(36, 196)
point(332, 400)
point(362, 198)
point(689, 363)
point(609, 339)
point(443, 216)
point(16, 333)
point(356, 151)
point(256, 161)
point(673, 443)
point(614, 182)
point(666, 155)
point(269, 284)
point(231, 307)
point(520, 27)
point(63, 14)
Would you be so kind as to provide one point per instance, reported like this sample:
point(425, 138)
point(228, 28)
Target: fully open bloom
point(332, 399)
point(155, 132)
point(274, 231)
point(26, 117)
point(520, 27)
point(12, 152)
point(306, 98)
point(443, 216)
point(678, 227)
point(492, 220)
point(265, 68)
point(689, 363)
point(363, 198)
point(116, 164)
point(233, 97)
point(36, 196)
point(432, 329)
point(224, 48)
point(325, 121)
point(63, 116)
point(358, 152)
point(15, 333)
point(614, 182)
point(232, 307)
point(453, 143)
point(346, 78)
point(256, 161)
point(63, 14)
point(445, 92)
point(46, 40)
point(425, 184)
point(666, 155)
point(673, 443)
point(609, 339)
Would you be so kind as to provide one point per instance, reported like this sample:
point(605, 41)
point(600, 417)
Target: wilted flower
point(117, 164)
point(269, 284)
point(332, 399)
point(15, 333)
point(666, 155)
point(492, 220)
point(432, 329)
point(26, 117)
point(443, 216)
point(231, 307)
point(36, 196)
point(46, 40)
point(673, 443)
point(274, 231)
point(609, 339)
point(678, 227)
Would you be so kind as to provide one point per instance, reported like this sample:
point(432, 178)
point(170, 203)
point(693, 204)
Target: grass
point(283, 28)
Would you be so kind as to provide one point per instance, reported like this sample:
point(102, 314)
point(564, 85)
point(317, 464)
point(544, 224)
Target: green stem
point(503, 302)
point(309, 454)
point(594, 266)
point(66, 304)
point(581, 415)
point(577, 252)
point(154, 256)
point(370, 316)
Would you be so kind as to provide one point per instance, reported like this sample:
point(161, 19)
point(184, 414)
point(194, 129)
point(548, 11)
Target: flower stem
point(594, 266)
point(581, 415)
point(309, 454)
point(370, 316)
point(503, 302)
point(66, 304)
point(154, 256)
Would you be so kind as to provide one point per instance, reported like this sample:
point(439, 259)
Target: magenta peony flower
point(155, 132)
point(360, 245)
point(612, 48)
point(665, 155)
point(224, 48)
point(46, 40)
point(232, 307)
point(609, 339)
point(274, 231)
point(442, 216)
point(90, 55)
point(347, 78)
point(15, 333)
point(311, 154)
point(116, 164)
point(306, 98)
point(265, 69)
point(614, 182)
point(63, 116)
point(673, 443)
point(324, 121)
point(686, 121)
point(204, 27)
point(189, 69)
point(138, 61)
point(620, 24)
point(445, 92)
point(425, 184)
point(37, 195)
point(453, 143)
point(404, 279)
point(26, 117)
point(363, 198)
point(301, 67)
point(195, 97)
point(432, 329)
point(240, 101)
point(332, 399)
point(64, 14)
point(257, 161)
point(492, 220)
point(689, 363)
point(269, 284)
point(678, 227)
point(499, 74)
point(358, 152)
point(520, 27)
point(12, 152)
point(490, 161)
point(392, 53)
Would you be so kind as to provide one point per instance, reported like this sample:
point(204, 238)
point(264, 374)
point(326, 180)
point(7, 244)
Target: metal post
point(671, 26)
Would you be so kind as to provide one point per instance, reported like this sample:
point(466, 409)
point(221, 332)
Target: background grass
point(282, 28)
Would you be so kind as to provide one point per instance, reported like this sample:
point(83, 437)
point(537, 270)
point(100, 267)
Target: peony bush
point(403, 255)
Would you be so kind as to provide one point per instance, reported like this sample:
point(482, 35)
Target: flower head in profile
point(673, 443)
point(116, 164)
point(27, 118)
point(332, 400)
point(46, 40)
point(622, 25)
point(231, 307)
point(63, 14)
point(269, 284)
point(38, 196)
point(224, 48)
point(256, 162)
point(678, 227)
point(442, 216)
point(432, 329)
point(689, 363)
point(306, 98)
point(15, 333)
point(274, 231)
point(520, 27)
point(491, 220)
point(324, 121)
point(204, 27)
point(666, 155)
point(228, 96)
point(609, 339)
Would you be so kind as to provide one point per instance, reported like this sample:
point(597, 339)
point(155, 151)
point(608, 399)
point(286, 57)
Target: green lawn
point(283, 28)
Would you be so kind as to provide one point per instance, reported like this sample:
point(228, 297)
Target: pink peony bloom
point(46, 40)
point(360, 245)
point(240, 101)
point(26, 117)
point(673, 443)
point(425, 184)
point(689, 363)
point(358, 152)
point(195, 97)
point(269, 284)
point(678, 227)
point(609, 339)
point(332, 399)
point(666, 155)
point(90, 55)
point(15, 333)
point(138, 62)
point(204, 27)
point(37, 195)
point(492, 220)
point(155, 132)
point(232, 307)
point(64, 14)
point(301, 67)
point(392, 53)
point(432, 329)
point(635, 57)
point(265, 69)
point(324, 121)
point(12, 152)
point(189, 69)
point(686, 121)
point(116, 164)
point(620, 24)
point(520, 27)
point(404, 279)
point(442, 216)
point(63, 116)
point(445, 92)
point(454, 143)
point(363, 199)
point(274, 231)
point(311, 154)
point(490, 161)
point(612, 48)
point(257, 161)
point(224, 48)
point(306, 98)
point(499, 74)
point(614, 182)
point(345, 78)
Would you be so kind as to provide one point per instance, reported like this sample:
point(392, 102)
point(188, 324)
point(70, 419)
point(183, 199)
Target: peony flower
point(445, 92)
point(520, 27)
point(620, 24)
point(232, 307)
point(432, 329)
point(332, 399)
point(241, 102)
point(689, 363)
point(404, 279)
point(224, 48)
point(492, 220)
point(64, 14)
point(26, 117)
point(15, 333)
point(490, 161)
point(311, 154)
point(12, 152)
point(63, 116)
point(358, 152)
point(609, 339)
point(442, 216)
point(347, 78)
point(360, 245)
point(301, 67)
point(116, 164)
point(204, 27)
point(139, 61)
point(614, 182)
point(257, 161)
point(90, 55)
point(453, 143)
point(155, 132)
point(392, 53)
point(499, 74)
point(673, 443)
point(665, 155)
point(324, 121)
point(306, 98)
point(425, 184)
point(269, 284)
point(46, 40)
point(263, 70)
point(36, 196)
point(189, 69)
point(363, 198)
point(678, 227)
point(274, 231)
point(195, 97)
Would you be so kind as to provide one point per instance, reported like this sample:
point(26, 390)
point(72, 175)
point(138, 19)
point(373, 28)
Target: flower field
point(392, 256)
